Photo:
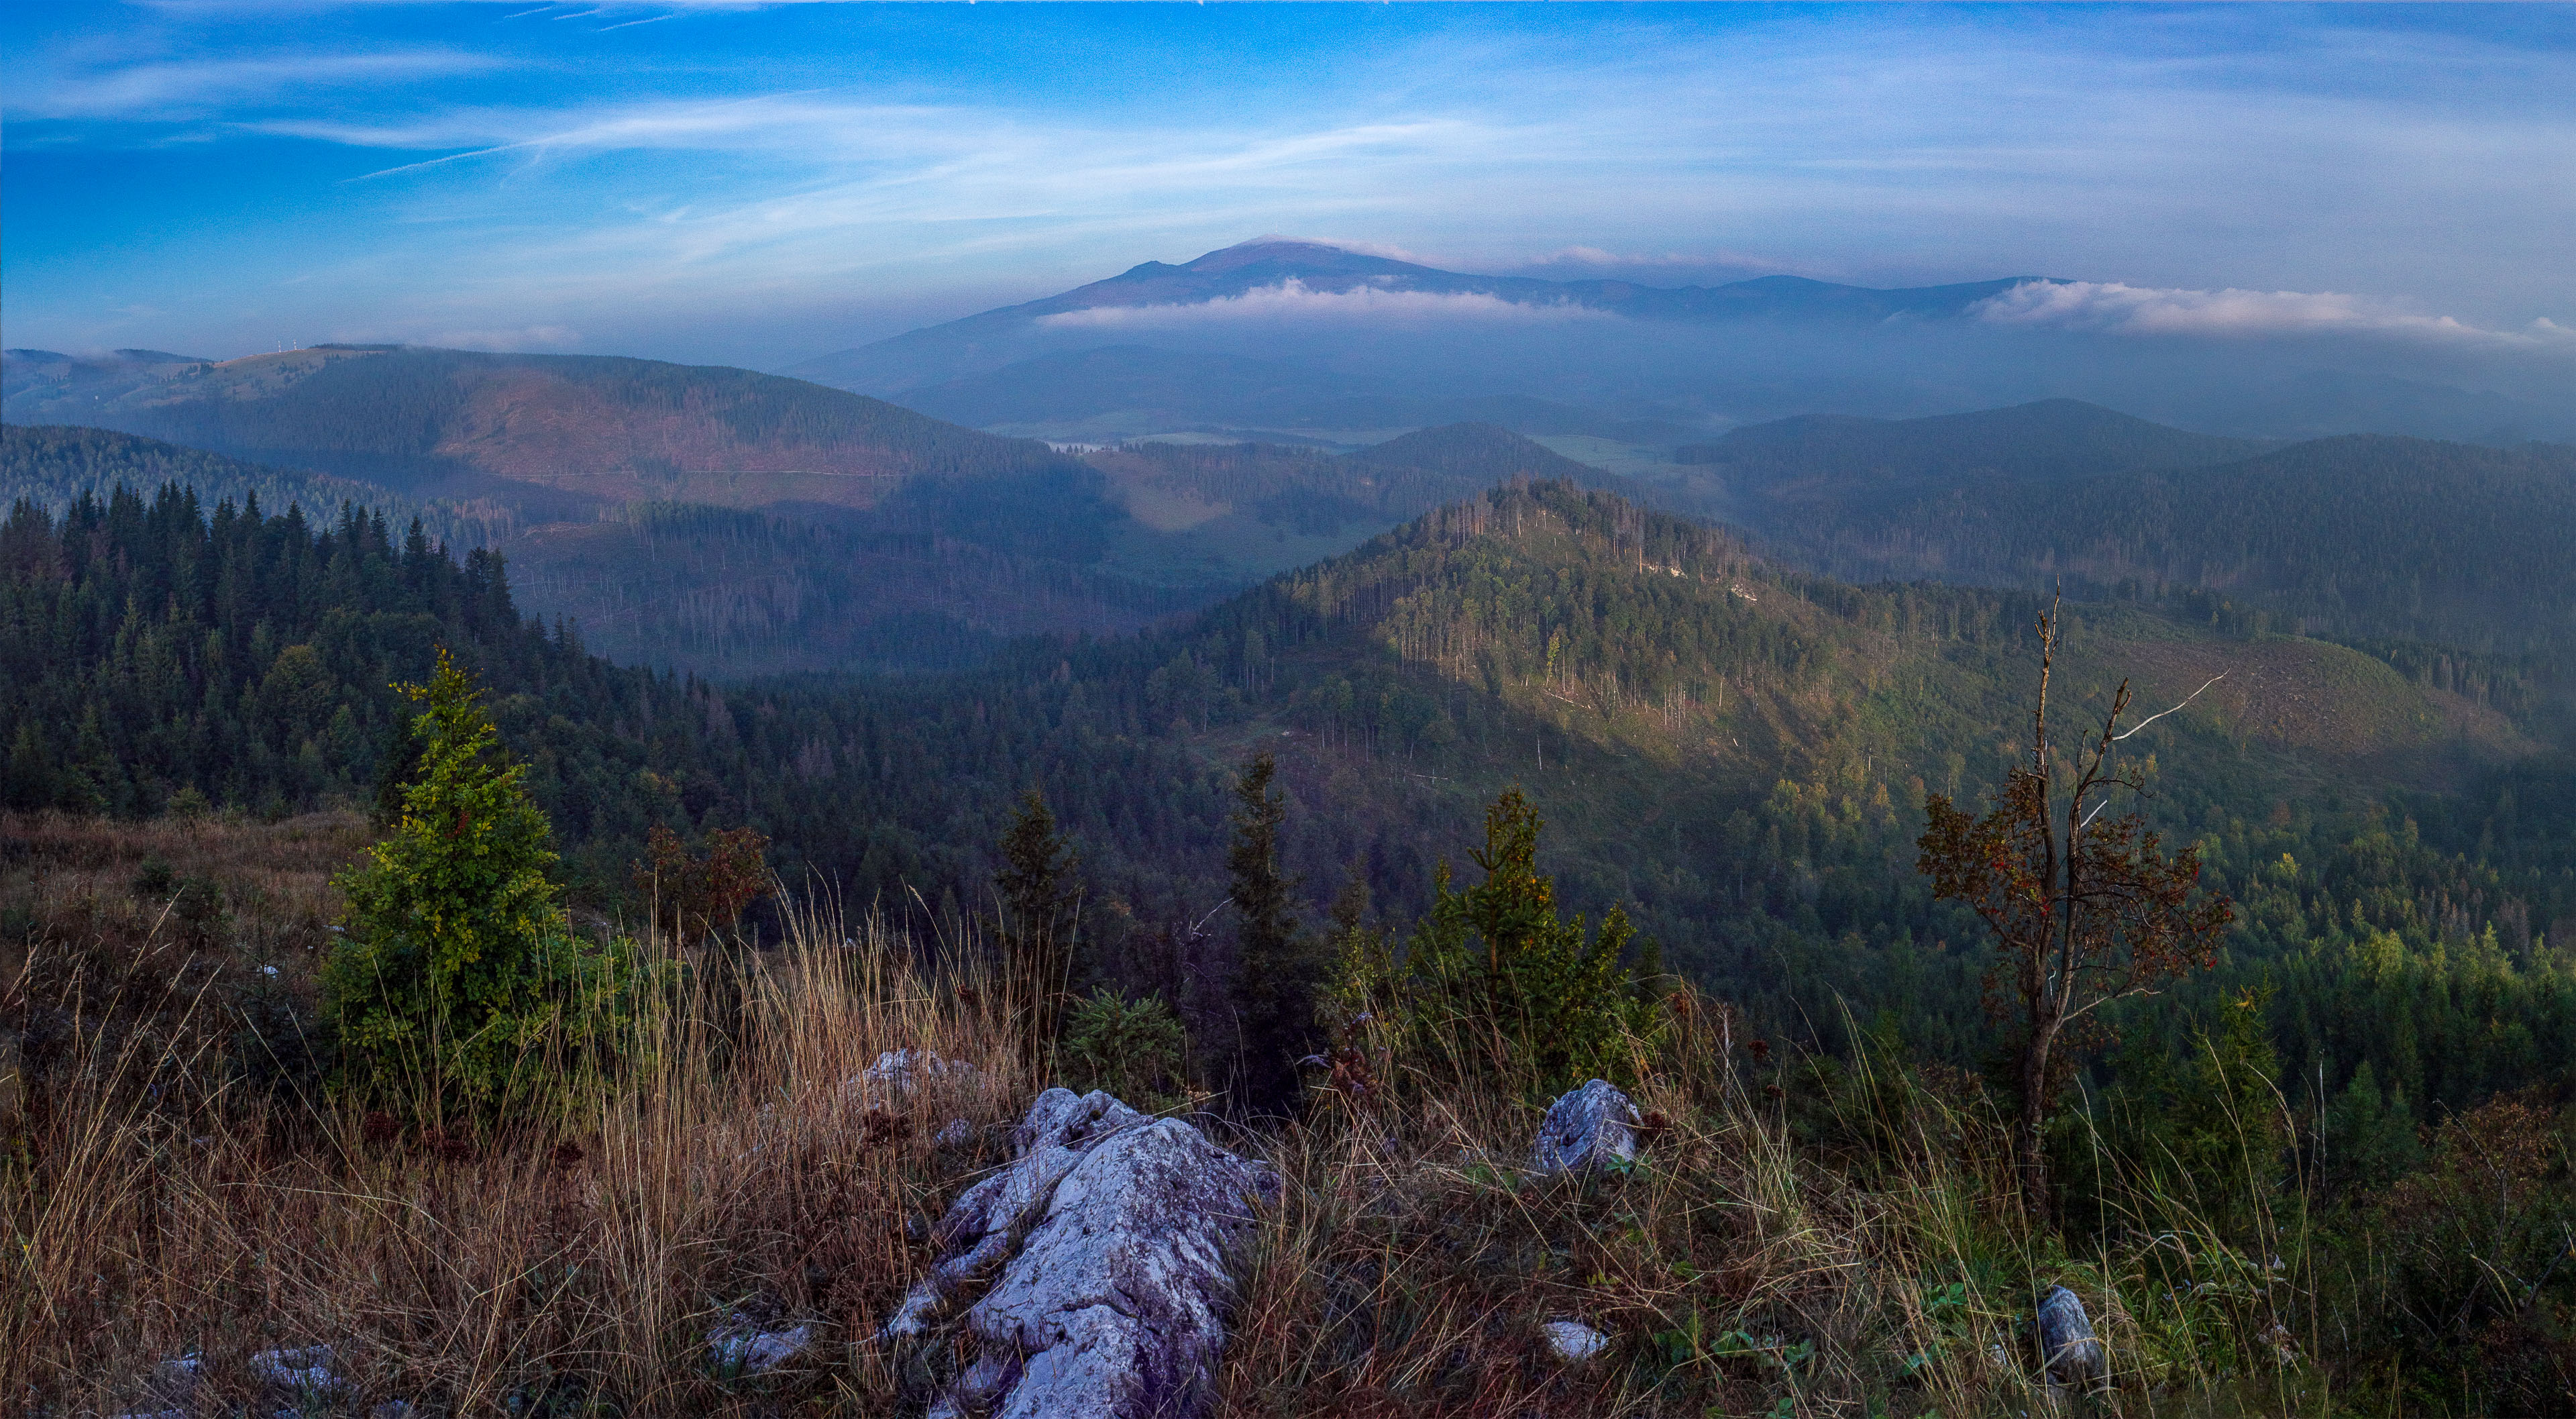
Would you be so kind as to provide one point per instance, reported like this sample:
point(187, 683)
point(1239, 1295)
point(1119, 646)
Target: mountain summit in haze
point(1314, 269)
point(1354, 345)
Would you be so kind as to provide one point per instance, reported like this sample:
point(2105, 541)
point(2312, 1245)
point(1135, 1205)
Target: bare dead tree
point(2084, 911)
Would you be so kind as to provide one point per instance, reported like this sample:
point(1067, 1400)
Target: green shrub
point(1493, 981)
point(461, 979)
point(1134, 1050)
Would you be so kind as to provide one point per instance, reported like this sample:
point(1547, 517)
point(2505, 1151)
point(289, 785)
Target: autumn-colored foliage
point(694, 894)
point(2084, 910)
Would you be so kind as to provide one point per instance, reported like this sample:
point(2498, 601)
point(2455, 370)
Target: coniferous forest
point(1734, 753)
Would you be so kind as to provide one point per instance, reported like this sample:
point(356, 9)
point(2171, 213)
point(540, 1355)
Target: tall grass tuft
point(744, 1174)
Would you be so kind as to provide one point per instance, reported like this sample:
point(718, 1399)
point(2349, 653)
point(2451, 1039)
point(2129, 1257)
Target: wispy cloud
point(2110, 307)
point(932, 162)
point(1293, 300)
point(168, 90)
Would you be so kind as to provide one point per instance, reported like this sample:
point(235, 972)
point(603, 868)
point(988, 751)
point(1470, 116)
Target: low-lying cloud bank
point(1293, 299)
point(2115, 308)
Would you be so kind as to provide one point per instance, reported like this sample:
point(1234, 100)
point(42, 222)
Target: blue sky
point(754, 184)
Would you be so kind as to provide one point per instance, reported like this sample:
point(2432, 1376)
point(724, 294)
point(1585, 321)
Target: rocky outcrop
point(1112, 1236)
point(1587, 1131)
point(289, 1381)
point(2066, 1343)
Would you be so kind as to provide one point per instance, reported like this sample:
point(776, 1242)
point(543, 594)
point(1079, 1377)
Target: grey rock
point(956, 1133)
point(738, 1348)
point(901, 1071)
point(1585, 1131)
point(1112, 1235)
point(1572, 1340)
point(2073, 1356)
point(309, 1373)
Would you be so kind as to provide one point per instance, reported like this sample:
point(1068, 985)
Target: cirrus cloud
point(1293, 299)
point(2116, 308)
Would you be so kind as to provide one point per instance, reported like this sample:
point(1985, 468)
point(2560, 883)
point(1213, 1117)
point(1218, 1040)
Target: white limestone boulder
point(1113, 1237)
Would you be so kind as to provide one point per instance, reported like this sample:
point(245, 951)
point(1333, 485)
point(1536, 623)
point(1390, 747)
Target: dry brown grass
point(161, 1205)
point(1843, 1246)
point(1418, 1256)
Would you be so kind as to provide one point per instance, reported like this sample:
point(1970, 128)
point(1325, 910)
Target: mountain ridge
point(586, 429)
point(936, 353)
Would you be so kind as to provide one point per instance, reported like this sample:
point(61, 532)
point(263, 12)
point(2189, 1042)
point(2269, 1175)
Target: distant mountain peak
point(1320, 257)
point(1215, 282)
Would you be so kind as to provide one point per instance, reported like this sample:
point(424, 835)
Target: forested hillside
point(54, 465)
point(2052, 439)
point(2365, 536)
point(546, 431)
point(1735, 753)
point(941, 570)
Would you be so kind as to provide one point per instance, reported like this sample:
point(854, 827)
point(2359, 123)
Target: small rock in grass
point(1590, 1129)
point(903, 1070)
point(170, 1391)
point(1572, 1340)
point(956, 1133)
point(302, 1374)
point(2066, 1339)
point(741, 1350)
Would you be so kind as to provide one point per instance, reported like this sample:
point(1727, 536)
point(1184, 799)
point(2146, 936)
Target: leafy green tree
point(461, 978)
point(1279, 965)
point(1493, 979)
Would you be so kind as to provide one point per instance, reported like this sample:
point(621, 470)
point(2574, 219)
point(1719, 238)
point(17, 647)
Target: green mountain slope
point(53, 465)
point(936, 574)
point(1233, 513)
point(1764, 474)
point(2363, 536)
point(1734, 752)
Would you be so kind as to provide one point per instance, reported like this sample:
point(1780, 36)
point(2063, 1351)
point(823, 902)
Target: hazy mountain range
point(1304, 340)
point(742, 523)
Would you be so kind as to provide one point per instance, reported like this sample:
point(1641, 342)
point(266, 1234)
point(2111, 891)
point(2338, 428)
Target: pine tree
point(1494, 980)
point(1278, 965)
point(461, 981)
point(1040, 901)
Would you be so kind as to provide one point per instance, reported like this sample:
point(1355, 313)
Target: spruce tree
point(461, 981)
point(1278, 966)
point(1495, 981)
point(1039, 902)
